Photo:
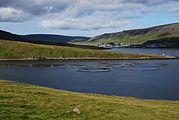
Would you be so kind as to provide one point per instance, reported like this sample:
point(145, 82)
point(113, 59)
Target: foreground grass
point(22, 101)
point(19, 50)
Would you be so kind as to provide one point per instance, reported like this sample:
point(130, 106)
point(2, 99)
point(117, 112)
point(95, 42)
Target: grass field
point(18, 50)
point(23, 102)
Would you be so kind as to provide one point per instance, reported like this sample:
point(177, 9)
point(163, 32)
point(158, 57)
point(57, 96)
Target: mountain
point(158, 36)
point(9, 36)
point(163, 36)
point(46, 39)
point(54, 38)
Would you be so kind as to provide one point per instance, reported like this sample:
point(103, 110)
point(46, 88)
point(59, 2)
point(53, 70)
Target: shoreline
point(18, 102)
point(89, 59)
point(87, 93)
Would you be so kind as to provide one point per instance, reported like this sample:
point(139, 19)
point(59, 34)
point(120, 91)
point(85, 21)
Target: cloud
point(102, 14)
point(12, 15)
point(82, 14)
point(92, 15)
point(85, 23)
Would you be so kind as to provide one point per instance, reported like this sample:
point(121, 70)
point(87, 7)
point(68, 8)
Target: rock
point(76, 110)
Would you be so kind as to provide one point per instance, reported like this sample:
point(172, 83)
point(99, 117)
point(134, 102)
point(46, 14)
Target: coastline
point(19, 100)
point(89, 58)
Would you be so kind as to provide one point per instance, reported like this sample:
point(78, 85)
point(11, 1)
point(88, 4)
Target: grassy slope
point(15, 50)
point(22, 101)
point(156, 33)
point(130, 39)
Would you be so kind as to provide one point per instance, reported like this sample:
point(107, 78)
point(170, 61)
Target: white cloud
point(82, 14)
point(92, 15)
point(12, 15)
point(172, 6)
point(85, 23)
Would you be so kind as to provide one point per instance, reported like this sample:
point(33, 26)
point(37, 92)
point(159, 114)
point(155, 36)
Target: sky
point(84, 17)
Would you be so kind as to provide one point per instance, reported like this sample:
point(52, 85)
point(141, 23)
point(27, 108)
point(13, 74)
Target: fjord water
point(160, 51)
point(148, 79)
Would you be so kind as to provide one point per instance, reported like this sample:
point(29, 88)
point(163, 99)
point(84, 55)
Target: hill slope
point(47, 39)
point(164, 33)
point(19, 50)
point(9, 36)
point(22, 101)
point(54, 38)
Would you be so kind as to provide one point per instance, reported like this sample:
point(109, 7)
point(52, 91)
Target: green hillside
point(20, 50)
point(28, 102)
point(138, 36)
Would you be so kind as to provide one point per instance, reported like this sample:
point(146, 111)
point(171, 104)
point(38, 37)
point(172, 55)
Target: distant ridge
point(54, 38)
point(9, 36)
point(46, 39)
point(162, 36)
point(41, 37)
point(166, 35)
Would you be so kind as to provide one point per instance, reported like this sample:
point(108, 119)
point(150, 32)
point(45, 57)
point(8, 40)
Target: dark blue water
point(173, 52)
point(148, 79)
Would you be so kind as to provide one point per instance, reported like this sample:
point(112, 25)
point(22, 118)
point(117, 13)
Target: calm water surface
point(173, 52)
point(148, 79)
